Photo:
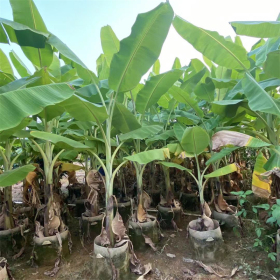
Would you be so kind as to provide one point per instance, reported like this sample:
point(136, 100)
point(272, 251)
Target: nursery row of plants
point(197, 131)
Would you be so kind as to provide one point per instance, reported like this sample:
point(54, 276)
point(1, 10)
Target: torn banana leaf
point(227, 137)
point(260, 185)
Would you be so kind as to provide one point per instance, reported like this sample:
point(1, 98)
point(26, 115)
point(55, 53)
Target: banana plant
point(136, 55)
point(146, 99)
point(21, 96)
point(140, 160)
point(253, 85)
point(46, 87)
point(10, 156)
point(193, 142)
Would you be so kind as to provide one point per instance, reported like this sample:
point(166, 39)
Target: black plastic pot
point(207, 244)
point(138, 231)
point(26, 211)
point(231, 199)
point(124, 210)
point(229, 220)
point(11, 241)
point(168, 215)
point(91, 226)
point(189, 201)
point(77, 208)
point(74, 191)
point(155, 197)
point(105, 257)
point(46, 248)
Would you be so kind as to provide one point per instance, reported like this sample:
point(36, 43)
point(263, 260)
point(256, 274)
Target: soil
point(175, 258)
point(235, 252)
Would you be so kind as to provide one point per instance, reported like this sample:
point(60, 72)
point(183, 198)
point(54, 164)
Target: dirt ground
point(175, 258)
point(236, 252)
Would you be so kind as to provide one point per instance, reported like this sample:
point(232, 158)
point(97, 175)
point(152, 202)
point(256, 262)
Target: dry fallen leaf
point(146, 269)
point(149, 242)
point(188, 271)
point(233, 272)
point(210, 270)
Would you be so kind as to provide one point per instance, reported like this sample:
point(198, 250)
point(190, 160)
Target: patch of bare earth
point(175, 259)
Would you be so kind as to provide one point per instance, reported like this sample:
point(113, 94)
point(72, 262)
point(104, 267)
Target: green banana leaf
point(222, 171)
point(7, 133)
point(156, 67)
point(227, 108)
point(195, 140)
point(163, 136)
point(26, 13)
point(148, 156)
point(90, 93)
point(154, 88)
point(5, 65)
point(19, 65)
point(176, 64)
point(183, 97)
point(109, 42)
point(141, 49)
point(224, 83)
point(83, 110)
point(141, 133)
point(258, 98)
point(179, 130)
point(272, 44)
point(18, 84)
point(102, 67)
point(212, 45)
point(18, 104)
point(174, 165)
point(11, 177)
point(64, 51)
point(259, 29)
point(123, 119)
point(27, 37)
point(189, 118)
point(205, 91)
point(274, 160)
point(5, 78)
point(21, 34)
point(224, 152)
point(70, 155)
point(272, 64)
point(191, 82)
point(60, 141)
